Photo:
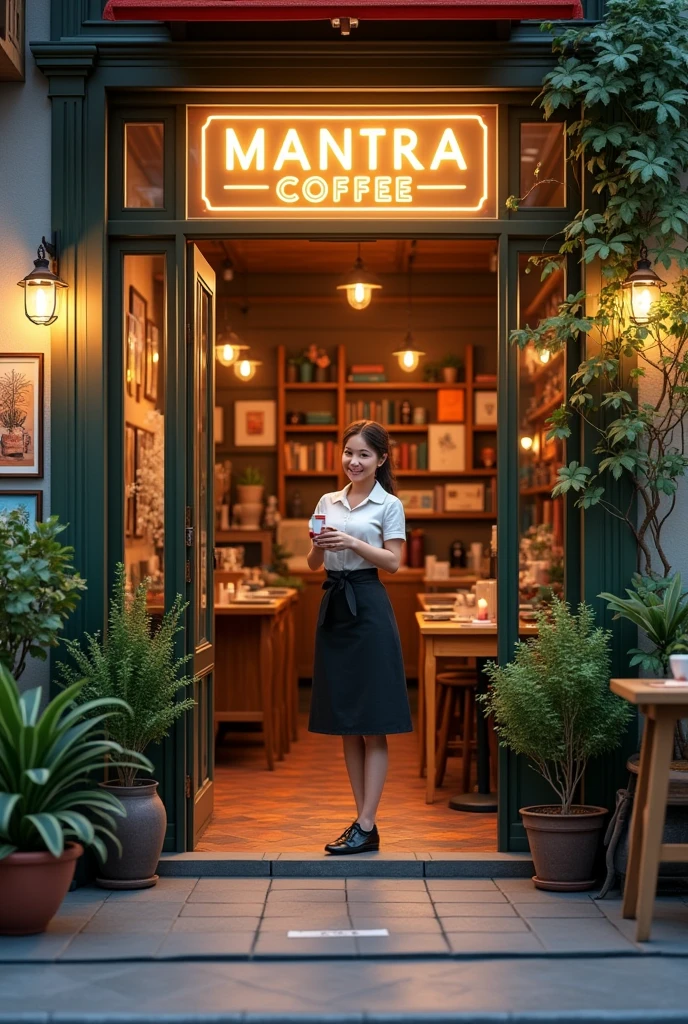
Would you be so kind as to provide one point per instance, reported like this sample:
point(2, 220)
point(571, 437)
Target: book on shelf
point(386, 411)
point(322, 418)
point(367, 378)
point(485, 379)
point(410, 456)
point(367, 368)
point(451, 406)
point(301, 458)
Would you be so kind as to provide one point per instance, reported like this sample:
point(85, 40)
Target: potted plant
point(450, 367)
point(250, 486)
point(134, 663)
point(49, 806)
point(553, 704)
point(431, 372)
point(38, 589)
point(293, 370)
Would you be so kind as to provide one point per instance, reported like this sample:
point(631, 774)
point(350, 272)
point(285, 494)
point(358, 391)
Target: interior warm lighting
point(245, 369)
point(228, 354)
point(40, 288)
point(642, 288)
point(408, 357)
point(545, 356)
point(359, 284)
point(527, 442)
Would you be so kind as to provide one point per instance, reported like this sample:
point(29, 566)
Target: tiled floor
point(307, 801)
point(251, 918)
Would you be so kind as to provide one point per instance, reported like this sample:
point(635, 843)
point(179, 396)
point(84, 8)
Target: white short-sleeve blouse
point(377, 519)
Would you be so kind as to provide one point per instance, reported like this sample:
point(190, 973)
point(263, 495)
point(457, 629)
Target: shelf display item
point(447, 447)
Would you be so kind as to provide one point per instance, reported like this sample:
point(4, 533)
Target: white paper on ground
point(338, 933)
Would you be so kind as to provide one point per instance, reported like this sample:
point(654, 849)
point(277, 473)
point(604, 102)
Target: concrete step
point(372, 865)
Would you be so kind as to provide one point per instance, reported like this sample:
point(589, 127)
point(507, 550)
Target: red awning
point(315, 10)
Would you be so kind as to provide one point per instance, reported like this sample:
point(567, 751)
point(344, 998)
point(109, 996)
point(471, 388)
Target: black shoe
point(355, 840)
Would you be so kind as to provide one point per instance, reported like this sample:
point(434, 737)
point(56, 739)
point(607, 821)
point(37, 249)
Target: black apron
point(359, 683)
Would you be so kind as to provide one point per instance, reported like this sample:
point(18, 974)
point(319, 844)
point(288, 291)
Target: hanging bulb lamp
point(359, 284)
point(229, 348)
point(642, 288)
point(245, 369)
point(408, 356)
point(527, 442)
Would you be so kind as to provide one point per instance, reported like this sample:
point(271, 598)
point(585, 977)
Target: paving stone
point(312, 911)
point(165, 910)
point(307, 883)
point(460, 884)
point(468, 896)
point(505, 925)
point(86, 894)
point(46, 947)
point(400, 925)
point(228, 911)
point(166, 889)
point(478, 944)
point(540, 896)
point(228, 896)
point(407, 896)
point(458, 909)
point(112, 947)
point(375, 908)
point(273, 944)
point(561, 908)
point(209, 925)
point(127, 926)
point(584, 936)
point(396, 945)
point(285, 924)
point(385, 884)
point(186, 944)
point(241, 909)
point(306, 896)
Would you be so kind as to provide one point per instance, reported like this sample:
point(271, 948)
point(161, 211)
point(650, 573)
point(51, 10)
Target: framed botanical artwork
point(485, 411)
point(21, 414)
point(135, 345)
point(129, 479)
point(446, 447)
point(464, 497)
point(254, 424)
point(29, 503)
point(417, 501)
point(152, 362)
point(138, 305)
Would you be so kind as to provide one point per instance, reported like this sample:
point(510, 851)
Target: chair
point(456, 686)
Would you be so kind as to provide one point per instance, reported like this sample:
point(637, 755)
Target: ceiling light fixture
point(359, 284)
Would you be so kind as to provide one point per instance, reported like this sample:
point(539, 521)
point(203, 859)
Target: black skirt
point(359, 683)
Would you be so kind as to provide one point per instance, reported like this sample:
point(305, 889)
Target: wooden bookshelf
point(340, 390)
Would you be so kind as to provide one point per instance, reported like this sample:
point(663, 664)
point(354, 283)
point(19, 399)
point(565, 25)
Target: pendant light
point(40, 288)
point(642, 288)
point(245, 369)
point(228, 348)
point(359, 284)
point(409, 356)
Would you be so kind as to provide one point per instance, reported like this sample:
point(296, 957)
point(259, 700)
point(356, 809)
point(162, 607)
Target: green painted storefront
point(101, 73)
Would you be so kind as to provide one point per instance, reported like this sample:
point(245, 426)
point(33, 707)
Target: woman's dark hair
point(377, 437)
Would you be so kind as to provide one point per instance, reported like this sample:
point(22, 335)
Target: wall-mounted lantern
point(642, 288)
point(40, 287)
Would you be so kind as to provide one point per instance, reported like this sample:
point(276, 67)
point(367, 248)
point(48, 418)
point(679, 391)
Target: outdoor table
point(662, 705)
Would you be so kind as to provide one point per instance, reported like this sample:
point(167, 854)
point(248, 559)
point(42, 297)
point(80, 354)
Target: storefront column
point(78, 393)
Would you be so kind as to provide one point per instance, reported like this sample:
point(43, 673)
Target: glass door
point(199, 538)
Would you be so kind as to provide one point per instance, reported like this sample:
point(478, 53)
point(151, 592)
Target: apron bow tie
point(337, 582)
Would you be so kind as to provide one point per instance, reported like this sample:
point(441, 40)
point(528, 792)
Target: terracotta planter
point(450, 374)
point(32, 887)
point(292, 373)
point(141, 834)
point(322, 374)
point(564, 846)
point(12, 445)
point(250, 494)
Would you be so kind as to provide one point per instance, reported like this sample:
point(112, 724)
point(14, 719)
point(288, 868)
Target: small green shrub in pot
point(50, 803)
point(553, 704)
point(135, 662)
point(451, 365)
point(250, 486)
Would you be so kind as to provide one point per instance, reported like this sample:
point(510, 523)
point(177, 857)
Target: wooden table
point(662, 706)
point(255, 677)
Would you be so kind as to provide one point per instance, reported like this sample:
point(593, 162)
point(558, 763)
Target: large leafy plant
point(553, 704)
point(660, 609)
point(136, 663)
point(625, 82)
point(48, 766)
point(38, 589)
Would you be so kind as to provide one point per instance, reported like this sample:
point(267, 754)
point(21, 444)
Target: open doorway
point(313, 363)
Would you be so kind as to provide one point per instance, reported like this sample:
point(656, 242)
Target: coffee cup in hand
point(317, 525)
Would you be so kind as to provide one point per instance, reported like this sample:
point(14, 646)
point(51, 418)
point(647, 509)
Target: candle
point(482, 610)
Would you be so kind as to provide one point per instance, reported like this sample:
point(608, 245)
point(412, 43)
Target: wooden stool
point(449, 686)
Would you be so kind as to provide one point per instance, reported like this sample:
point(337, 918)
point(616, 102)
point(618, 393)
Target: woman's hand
point(334, 540)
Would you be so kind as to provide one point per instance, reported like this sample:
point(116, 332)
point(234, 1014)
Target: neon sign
point(325, 163)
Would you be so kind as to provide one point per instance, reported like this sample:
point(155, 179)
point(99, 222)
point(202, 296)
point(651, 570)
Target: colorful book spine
point(318, 457)
point(367, 378)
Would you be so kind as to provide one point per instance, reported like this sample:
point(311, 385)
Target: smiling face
point(360, 460)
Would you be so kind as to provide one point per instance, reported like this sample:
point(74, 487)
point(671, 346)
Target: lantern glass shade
point(642, 288)
point(527, 442)
point(359, 285)
point(245, 369)
point(229, 349)
point(408, 358)
point(40, 292)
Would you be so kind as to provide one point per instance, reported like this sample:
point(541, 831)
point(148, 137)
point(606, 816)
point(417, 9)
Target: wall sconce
point(408, 356)
point(359, 284)
point(642, 288)
point(40, 288)
point(245, 369)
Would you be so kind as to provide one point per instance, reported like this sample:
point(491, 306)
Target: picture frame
point(485, 409)
point(21, 414)
point(417, 500)
point(129, 479)
point(446, 447)
point(138, 304)
point(255, 424)
point(134, 355)
point(152, 362)
point(143, 439)
point(464, 497)
point(30, 501)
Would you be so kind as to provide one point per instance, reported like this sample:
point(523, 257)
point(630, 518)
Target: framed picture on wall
point(138, 305)
point(29, 503)
point(129, 479)
point(417, 501)
point(152, 361)
point(446, 447)
point(485, 412)
point(143, 443)
point(464, 497)
point(21, 414)
point(254, 424)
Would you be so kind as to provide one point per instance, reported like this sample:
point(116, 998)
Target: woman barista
point(359, 685)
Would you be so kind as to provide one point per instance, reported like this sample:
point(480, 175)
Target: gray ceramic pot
point(141, 834)
point(564, 846)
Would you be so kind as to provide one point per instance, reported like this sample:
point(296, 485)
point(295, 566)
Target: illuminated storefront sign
point(382, 162)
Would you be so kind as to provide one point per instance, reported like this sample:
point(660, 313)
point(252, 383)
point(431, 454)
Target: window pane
point(542, 386)
point(144, 166)
point(204, 313)
point(144, 423)
point(542, 164)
